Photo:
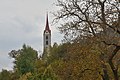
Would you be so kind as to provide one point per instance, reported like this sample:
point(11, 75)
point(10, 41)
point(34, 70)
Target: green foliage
point(5, 75)
point(67, 61)
point(83, 19)
point(25, 59)
point(43, 71)
point(92, 27)
point(79, 62)
point(57, 52)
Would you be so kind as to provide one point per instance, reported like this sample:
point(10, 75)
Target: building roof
point(47, 25)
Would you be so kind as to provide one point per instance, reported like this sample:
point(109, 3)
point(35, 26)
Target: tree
point(74, 61)
point(25, 59)
point(5, 75)
point(79, 62)
point(87, 17)
point(57, 52)
point(93, 18)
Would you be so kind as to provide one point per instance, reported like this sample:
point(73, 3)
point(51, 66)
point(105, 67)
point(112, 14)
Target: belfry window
point(46, 37)
point(46, 42)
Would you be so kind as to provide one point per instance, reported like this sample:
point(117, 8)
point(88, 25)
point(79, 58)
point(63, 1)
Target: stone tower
point(46, 37)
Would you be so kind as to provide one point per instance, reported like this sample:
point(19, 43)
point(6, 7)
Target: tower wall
point(47, 39)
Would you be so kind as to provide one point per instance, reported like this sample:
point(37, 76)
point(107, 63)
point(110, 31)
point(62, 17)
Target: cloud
point(5, 62)
point(23, 21)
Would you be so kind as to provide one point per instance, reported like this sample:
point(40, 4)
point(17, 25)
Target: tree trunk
point(105, 75)
point(114, 69)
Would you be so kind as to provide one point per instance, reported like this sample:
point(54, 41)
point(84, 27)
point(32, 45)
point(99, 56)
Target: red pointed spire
point(47, 24)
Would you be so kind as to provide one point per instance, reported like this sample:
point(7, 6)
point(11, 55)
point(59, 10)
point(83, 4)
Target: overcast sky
point(23, 21)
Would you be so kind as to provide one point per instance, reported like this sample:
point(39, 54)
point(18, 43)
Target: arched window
point(46, 37)
point(46, 42)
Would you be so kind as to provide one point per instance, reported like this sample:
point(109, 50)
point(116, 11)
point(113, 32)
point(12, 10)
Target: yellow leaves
point(25, 76)
point(82, 61)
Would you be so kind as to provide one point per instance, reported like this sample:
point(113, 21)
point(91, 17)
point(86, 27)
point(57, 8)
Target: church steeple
point(47, 36)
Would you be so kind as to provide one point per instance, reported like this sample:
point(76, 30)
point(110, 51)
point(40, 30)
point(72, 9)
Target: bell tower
point(47, 36)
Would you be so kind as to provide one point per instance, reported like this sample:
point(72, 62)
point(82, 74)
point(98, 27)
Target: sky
point(23, 22)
